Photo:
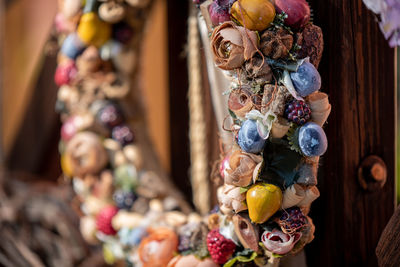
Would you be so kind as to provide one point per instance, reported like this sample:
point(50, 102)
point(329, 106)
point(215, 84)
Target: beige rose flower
point(232, 45)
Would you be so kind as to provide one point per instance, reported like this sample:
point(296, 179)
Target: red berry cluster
point(220, 248)
point(104, 219)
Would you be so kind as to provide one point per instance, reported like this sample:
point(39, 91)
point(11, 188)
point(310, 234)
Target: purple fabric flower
point(389, 11)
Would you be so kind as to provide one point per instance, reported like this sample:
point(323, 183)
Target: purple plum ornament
point(110, 115)
point(219, 12)
point(306, 79)
point(249, 139)
point(312, 140)
point(122, 134)
point(72, 46)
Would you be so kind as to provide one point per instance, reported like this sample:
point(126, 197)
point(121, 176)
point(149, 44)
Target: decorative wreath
point(270, 51)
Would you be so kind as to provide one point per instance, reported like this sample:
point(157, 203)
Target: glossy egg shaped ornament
point(263, 200)
point(249, 138)
point(255, 15)
point(298, 12)
point(312, 140)
point(92, 30)
point(72, 46)
point(306, 79)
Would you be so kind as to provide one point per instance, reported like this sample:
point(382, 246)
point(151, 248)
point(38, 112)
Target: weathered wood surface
point(357, 71)
point(388, 247)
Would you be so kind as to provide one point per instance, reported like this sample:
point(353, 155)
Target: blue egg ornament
point(249, 139)
point(306, 79)
point(312, 140)
point(72, 46)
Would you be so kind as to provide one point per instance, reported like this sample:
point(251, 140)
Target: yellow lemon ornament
point(66, 165)
point(255, 15)
point(263, 200)
point(92, 30)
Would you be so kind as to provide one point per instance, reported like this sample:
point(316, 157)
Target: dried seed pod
point(320, 107)
point(276, 44)
point(310, 195)
point(257, 69)
point(274, 99)
point(292, 196)
point(311, 44)
point(247, 232)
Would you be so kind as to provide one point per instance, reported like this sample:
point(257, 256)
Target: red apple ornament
point(298, 12)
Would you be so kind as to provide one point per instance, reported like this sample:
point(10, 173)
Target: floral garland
point(270, 174)
point(270, 50)
point(125, 206)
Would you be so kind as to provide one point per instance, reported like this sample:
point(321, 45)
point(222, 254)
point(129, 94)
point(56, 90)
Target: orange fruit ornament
point(255, 15)
point(158, 248)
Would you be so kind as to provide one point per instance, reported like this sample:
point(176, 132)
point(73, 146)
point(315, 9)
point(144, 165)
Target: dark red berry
point(298, 112)
point(110, 115)
point(122, 134)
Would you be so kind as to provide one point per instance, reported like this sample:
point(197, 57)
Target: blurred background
point(359, 72)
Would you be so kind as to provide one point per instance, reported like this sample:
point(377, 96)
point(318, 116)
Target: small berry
point(104, 219)
point(124, 199)
point(292, 220)
point(110, 115)
point(220, 248)
point(298, 112)
point(122, 134)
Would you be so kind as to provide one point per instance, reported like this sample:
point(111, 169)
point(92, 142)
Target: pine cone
point(312, 44)
point(276, 44)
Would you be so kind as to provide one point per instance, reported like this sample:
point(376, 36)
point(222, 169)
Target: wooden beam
point(357, 72)
point(178, 86)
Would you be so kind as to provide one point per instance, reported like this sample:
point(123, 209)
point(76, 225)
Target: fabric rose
point(278, 242)
point(241, 167)
point(231, 199)
point(232, 45)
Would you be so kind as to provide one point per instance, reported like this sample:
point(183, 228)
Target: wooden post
point(357, 71)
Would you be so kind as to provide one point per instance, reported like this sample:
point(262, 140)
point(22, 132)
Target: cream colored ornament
point(134, 155)
point(71, 8)
point(292, 196)
point(138, 3)
point(310, 195)
point(231, 199)
point(111, 12)
point(92, 205)
point(125, 61)
point(88, 229)
point(175, 218)
point(125, 219)
point(320, 107)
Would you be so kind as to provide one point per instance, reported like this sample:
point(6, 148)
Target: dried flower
point(232, 45)
point(258, 69)
point(311, 44)
point(276, 44)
